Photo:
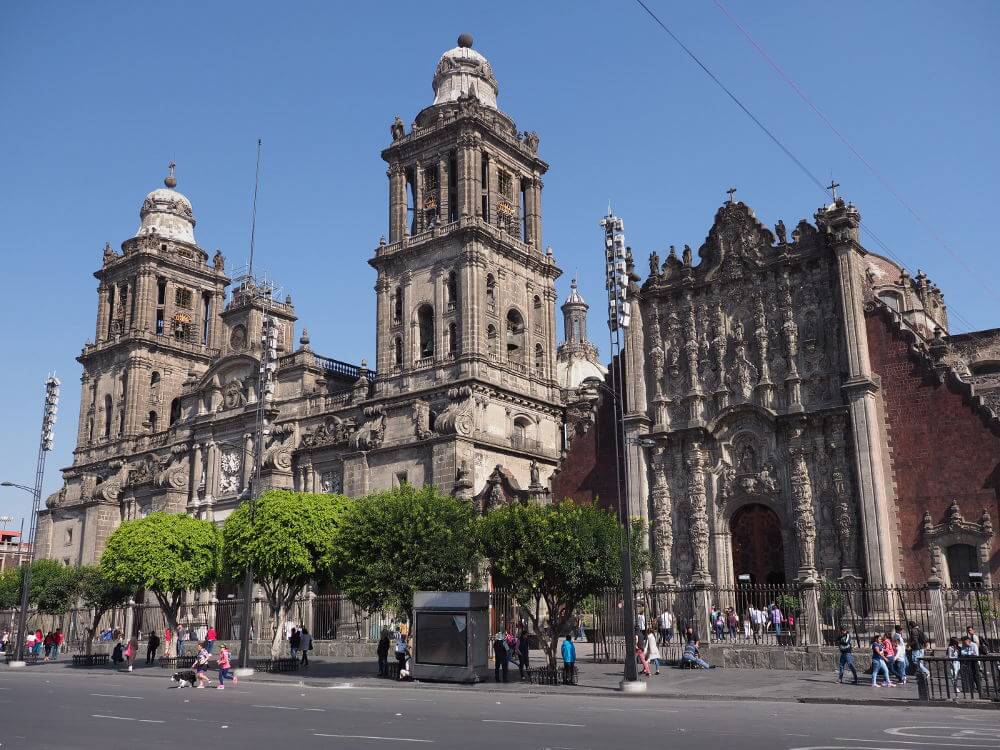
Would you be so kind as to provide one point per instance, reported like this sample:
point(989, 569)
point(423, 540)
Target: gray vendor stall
point(450, 635)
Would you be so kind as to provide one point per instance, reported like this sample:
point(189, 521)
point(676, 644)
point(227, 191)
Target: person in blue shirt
point(569, 659)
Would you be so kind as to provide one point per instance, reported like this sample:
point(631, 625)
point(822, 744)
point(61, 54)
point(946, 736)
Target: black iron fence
point(961, 678)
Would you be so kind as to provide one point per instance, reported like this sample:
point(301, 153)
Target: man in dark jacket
point(152, 645)
point(846, 655)
point(382, 651)
point(523, 651)
point(500, 656)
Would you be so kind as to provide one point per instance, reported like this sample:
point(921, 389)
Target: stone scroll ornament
point(698, 528)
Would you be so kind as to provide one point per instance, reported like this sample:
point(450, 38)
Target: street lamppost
point(616, 281)
point(45, 443)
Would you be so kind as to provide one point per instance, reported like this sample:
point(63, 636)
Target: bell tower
point(157, 320)
point(465, 290)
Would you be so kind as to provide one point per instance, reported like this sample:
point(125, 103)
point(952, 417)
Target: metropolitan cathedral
point(795, 407)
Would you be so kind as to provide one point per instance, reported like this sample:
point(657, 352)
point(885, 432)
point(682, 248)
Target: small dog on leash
point(184, 678)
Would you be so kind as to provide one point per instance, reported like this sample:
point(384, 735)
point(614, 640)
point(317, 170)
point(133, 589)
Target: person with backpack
point(402, 653)
point(846, 655)
point(569, 659)
point(500, 657)
point(918, 643)
point(225, 668)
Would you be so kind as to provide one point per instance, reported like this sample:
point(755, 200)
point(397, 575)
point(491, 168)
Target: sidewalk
point(595, 679)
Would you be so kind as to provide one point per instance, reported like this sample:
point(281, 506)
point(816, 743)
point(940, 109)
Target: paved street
point(70, 709)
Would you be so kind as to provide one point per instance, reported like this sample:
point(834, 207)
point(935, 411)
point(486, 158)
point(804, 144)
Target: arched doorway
point(757, 547)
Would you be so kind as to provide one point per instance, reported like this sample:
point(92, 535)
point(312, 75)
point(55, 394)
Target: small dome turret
point(462, 71)
point(167, 213)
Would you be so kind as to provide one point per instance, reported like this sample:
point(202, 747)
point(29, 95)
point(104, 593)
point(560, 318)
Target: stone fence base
point(259, 648)
point(800, 658)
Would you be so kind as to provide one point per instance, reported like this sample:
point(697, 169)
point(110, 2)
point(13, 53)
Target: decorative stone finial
point(304, 338)
point(170, 180)
point(465, 40)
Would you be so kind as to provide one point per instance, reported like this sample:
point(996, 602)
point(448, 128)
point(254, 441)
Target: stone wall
point(941, 451)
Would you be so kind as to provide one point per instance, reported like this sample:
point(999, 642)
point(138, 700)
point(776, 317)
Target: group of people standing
point(47, 646)
point(508, 647)
point(300, 642)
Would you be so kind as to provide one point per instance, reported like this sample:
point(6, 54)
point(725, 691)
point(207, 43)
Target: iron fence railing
point(961, 678)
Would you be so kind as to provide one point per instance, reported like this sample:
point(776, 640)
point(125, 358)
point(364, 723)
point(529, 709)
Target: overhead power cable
point(828, 193)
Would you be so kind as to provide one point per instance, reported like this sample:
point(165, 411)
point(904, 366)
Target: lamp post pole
point(44, 446)
point(616, 282)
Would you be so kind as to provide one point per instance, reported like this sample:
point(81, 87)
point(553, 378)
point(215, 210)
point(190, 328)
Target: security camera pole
point(44, 446)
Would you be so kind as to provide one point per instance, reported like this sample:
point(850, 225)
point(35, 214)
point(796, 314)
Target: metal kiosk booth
point(450, 636)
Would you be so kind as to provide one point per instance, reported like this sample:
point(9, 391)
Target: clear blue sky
point(96, 99)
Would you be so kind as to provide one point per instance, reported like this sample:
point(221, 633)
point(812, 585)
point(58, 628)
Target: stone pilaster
point(662, 525)
point(697, 507)
point(443, 182)
point(803, 512)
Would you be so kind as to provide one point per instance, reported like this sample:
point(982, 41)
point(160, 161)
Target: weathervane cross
point(832, 187)
point(730, 193)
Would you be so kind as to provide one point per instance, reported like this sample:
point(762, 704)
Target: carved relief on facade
point(698, 512)
point(955, 529)
point(230, 470)
point(662, 517)
point(332, 431)
point(421, 417)
point(803, 512)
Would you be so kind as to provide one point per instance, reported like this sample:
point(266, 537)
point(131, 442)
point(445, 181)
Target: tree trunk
point(278, 613)
point(170, 608)
point(92, 630)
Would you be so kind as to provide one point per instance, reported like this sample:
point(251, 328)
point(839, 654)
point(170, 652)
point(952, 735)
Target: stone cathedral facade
point(802, 409)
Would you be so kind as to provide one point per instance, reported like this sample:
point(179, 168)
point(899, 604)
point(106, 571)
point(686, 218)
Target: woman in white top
point(653, 651)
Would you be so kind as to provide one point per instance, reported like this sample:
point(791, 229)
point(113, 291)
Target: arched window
point(397, 353)
point(108, 409)
point(397, 307)
point(491, 292)
point(425, 326)
point(491, 340)
point(891, 299)
point(520, 433)
point(539, 360)
point(537, 302)
point(175, 410)
point(515, 335)
point(90, 429)
point(152, 421)
point(154, 387)
point(452, 290)
point(452, 338)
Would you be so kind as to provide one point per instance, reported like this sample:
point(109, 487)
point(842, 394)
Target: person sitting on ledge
point(691, 657)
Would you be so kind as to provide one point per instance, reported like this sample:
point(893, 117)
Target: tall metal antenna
point(253, 213)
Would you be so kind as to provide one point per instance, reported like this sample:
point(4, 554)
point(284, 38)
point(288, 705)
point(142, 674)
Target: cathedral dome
point(462, 71)
point(167, 213)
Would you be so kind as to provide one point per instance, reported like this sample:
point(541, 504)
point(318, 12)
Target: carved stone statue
point(219, 261)
point(534, 473)
point(686, 256)
point(397, 129)
point(531, 141)
point(654, 264)
point(779, 229)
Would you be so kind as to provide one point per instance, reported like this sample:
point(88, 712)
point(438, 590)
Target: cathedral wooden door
point(757, 546)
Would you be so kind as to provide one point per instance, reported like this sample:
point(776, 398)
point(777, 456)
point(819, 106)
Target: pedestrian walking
point(382, 652)
point(523, 651)
point(716, 622)
point(167, 636)
point(294, 642)
point(201, 666)
point(569, 659)
point(732, 623)
point(39, 642)
point(665, 624)
point(500, 656)
point(777, 619)
point(899, 657)
point(640, 621)
point(47, 644)
point(401, 649)
point(210, 638)
point(117, 654)
point(846, 656)
point(954, 666)
point(152, 645)
point(225, 668)
point(879, 664)
point(652, 651)
point(918, 643)
point(969, 666)
point(305, 645)
point(131, 651)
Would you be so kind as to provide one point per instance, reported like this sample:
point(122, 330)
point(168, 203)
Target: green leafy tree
point(54, 586)
point(10, 589)
point(559, 554)
point(391, 544)
point(165, 555)
point(100, 594)
point(288, 541)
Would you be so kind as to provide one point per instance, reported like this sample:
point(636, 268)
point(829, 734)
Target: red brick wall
point(941, 451)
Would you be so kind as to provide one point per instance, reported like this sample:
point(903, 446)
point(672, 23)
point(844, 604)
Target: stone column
point(809, 596)
point(464, 163)
point(383, 340)
point(938, 622)
point(102, 314)
point(868, 449)
point(194, 475)
point(662, 525)
point(211, 468)
point(803, 513)
point(437, 276)
point(215, 322)
point(397, 201)
point(443, 179)
point(134, 418)
point(247, 462)
point(407, 324)
point(418, 198)
point(698, 523)
point(490, 189)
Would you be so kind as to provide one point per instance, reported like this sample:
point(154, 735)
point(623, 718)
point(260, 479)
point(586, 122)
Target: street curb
point(905, 702)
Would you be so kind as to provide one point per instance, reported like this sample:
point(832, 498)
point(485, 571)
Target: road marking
point(283, 708)
point(128, 718)
point(314, 709)
point(605, 708)
point(533, 723)
point(370, 737)
point(109, 695)
point(912, 742)
point(417, 700)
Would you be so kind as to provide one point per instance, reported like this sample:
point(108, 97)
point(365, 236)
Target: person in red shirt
point(57, 645)
point(209, 639)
